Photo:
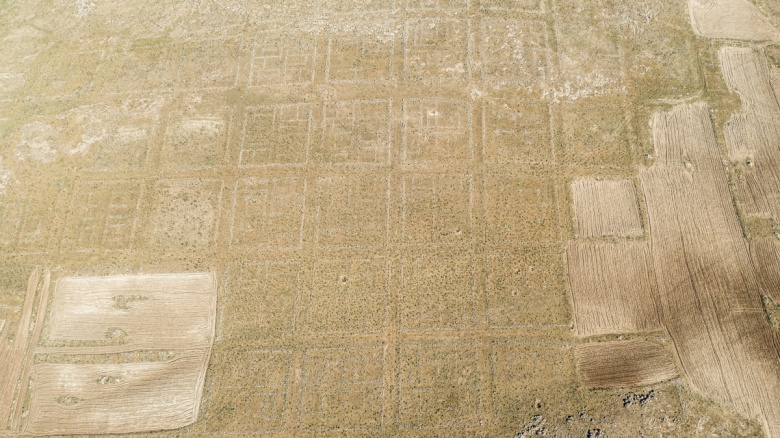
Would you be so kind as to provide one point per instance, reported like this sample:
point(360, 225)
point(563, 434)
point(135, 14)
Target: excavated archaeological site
point(390, 218)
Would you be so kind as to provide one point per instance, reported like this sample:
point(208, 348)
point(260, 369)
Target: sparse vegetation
point(420, 217)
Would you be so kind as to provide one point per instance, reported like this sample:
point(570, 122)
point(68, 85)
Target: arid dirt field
point(383, 218)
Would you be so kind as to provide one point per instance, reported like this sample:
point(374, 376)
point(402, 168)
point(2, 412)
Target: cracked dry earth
point(390, 218)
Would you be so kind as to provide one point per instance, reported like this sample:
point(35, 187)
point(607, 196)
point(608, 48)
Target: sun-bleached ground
point(389, 217)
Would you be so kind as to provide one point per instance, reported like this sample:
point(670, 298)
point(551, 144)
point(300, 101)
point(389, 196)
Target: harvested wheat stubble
point(173, 313)
point(753, 135)
point(139, 311)
point(696, 266)
point(733, 19)
point(606, 208)
point(115, 398)
point(35, 335)
point(707, 290)
point(766, 260)
point(13, 353)
point(612, 286)
point(624, 363)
